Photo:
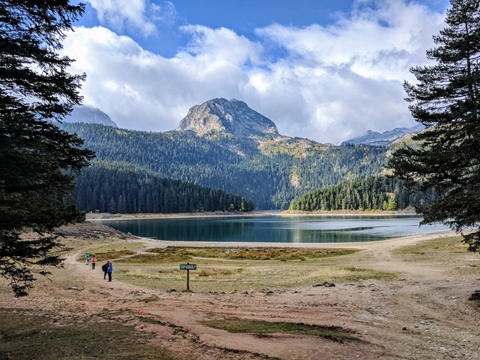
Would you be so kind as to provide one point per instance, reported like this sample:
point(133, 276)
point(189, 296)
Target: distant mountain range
point(89, 115)
point(383, 139)
point(224, 144)
point(234, 118)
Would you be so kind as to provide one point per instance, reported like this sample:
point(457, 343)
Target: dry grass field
point(406, 298)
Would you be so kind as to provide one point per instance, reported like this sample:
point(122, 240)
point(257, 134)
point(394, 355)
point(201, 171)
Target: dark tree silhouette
point(446, 100)
point(37, 159)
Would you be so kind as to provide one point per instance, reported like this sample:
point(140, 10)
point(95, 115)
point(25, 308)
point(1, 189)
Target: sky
point(326, 70)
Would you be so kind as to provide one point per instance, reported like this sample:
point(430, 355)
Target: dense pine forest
point(371, 193)
point(119, 188)
point(271, 172)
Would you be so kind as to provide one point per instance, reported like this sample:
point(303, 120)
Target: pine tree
point(37, 159)
point(446, 100)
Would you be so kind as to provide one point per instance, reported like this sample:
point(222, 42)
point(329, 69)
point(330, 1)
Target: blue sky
point(325, 70)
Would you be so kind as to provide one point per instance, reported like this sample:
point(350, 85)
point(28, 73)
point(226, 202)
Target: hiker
point(87, 258)
point(104, 269)
point(109, 271)
point(94, 261)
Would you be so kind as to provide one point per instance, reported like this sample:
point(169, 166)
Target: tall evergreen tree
point(36, 157)
point(446, 100)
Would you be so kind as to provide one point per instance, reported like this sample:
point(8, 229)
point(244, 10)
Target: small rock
point(404, 328)
point(475, 295)
point(171, 290)
point(73, 288)
point(244, 292)
point(327, 283)
point(473, 265)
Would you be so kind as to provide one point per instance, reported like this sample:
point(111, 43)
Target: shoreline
point(100, 217)
point(154, 242)
point(398, 241)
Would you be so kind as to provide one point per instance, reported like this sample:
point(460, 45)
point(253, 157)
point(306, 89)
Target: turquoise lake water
point(276, 229)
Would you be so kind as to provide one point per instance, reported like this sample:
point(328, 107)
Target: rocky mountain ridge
point(385, 138)
point(231, 117)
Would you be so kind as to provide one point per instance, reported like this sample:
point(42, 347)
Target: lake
point(276, 228)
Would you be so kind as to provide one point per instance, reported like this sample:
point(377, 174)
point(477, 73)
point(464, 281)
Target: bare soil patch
point(406, 298)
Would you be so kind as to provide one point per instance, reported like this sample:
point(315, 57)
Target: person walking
point(87, 258)
point(105, 269)
point(94, 261)
point(109, 271)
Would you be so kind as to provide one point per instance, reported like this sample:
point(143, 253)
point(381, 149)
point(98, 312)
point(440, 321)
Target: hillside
point(120, 188)
point(258, 164)
point(370, 193)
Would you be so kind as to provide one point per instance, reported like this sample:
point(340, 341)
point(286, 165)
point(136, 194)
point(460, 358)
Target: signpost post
point(188, 267)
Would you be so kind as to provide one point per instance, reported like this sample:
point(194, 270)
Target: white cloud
point(333, 83)
point(133, 14)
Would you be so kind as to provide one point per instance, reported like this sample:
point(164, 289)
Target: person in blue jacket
point(105, 269)
point(109, 271)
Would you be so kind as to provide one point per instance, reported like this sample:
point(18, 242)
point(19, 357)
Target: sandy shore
point(402, 241)
point(422, 313)
point(285, 213)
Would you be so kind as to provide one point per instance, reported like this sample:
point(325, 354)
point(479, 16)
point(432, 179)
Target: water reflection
point(276, 229)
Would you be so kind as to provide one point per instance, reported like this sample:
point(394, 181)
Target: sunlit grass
point(244, 253)
point(156, 258)
point(432, 250)
point(108, 255)
point(246, 275)
point(27, 335)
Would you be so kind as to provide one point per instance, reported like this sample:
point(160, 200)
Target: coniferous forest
point(117, 188)
point(371, 193)
point(269, 172)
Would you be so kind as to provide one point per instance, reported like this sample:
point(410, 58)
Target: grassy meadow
point(232, 268)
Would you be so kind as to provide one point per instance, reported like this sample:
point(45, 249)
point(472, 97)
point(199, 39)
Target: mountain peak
point(90, 115)
point(228, 116)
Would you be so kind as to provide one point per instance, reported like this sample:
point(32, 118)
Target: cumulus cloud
point(330, 84)
point(133, 14)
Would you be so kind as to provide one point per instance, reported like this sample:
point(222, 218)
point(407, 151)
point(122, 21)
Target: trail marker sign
point(188, 267)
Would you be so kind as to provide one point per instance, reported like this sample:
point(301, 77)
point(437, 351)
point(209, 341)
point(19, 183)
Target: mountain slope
point(270, 173)
point(226, 145)
point(120, 188)
point(89, 115)
point(370, 193)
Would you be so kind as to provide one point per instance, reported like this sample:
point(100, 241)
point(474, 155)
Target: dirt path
point(425, 314)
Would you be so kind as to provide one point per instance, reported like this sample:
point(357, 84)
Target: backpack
point(104, 267)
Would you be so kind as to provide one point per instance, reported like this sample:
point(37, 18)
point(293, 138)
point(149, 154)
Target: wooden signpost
point(188, 267)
